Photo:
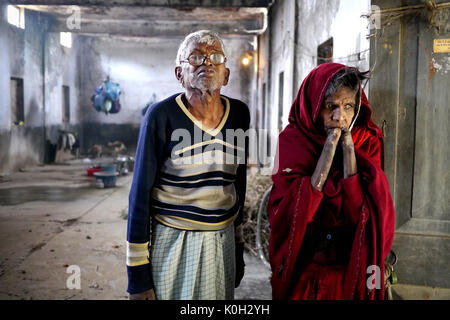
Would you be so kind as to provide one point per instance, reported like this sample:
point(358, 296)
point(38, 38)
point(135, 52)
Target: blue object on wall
point(106, 97)
point(112, 90)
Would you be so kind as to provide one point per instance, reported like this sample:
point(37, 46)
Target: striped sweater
point(185, 176)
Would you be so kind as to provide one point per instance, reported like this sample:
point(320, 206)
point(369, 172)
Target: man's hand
point(240, 264)
point(146, 295)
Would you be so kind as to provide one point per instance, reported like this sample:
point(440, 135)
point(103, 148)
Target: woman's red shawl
point(291, 208)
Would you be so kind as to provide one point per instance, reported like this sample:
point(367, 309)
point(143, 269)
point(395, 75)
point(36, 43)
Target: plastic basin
point(91, 171)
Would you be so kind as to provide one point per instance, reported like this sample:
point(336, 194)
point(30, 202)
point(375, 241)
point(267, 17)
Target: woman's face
point(338, 110)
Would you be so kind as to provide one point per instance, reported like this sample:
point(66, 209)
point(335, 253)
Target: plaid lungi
point(192, 265)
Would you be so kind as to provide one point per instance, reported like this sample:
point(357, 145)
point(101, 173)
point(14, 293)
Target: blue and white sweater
point(185, 176)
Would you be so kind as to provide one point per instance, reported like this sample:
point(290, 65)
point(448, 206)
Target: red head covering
point(294, 202)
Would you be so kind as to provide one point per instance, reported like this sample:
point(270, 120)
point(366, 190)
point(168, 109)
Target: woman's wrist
point(347, 141)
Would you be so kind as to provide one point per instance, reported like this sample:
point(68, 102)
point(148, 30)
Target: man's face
point(338, 110)
point(207, 76)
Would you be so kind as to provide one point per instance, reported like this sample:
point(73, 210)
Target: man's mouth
point(206, 72)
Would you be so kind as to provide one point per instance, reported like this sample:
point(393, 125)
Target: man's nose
point(207, 61)
point(338, 114)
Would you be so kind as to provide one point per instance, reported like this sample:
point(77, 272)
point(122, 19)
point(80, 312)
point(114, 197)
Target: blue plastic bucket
point(108, 178)
point(109, 167)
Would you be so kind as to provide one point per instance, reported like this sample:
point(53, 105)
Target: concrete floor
point(53, 217)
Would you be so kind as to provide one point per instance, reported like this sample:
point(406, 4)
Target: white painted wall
point(349, 31)
point(21, 56)
point(60, 69)
point(296, 29)
point(317, 21)
point(320, 20)
point(5, 112)
point(282, 36)
point(142, 69)
point(242, 84)
point(145, 70)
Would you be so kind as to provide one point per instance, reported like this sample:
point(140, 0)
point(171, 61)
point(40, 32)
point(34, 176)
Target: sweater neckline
point(212, 132)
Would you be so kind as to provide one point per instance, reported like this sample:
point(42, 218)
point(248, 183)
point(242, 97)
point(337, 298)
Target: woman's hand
point(333, 135)
point(346, 139)
point(348, 148)
point(320, 174)
point(146, 295)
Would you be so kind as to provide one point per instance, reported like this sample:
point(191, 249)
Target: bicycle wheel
point(263, 229)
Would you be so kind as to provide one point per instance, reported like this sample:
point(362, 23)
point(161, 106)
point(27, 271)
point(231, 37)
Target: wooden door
point(409, 93)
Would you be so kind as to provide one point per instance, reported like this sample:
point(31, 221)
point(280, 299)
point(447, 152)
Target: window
point(66, 104)
point(325, 52)
point(16, 16)
point(280, 100)
point(17, 112)
point(65, 39)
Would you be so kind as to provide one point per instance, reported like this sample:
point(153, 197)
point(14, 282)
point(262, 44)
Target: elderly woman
point(330, 209)
point(182, 189)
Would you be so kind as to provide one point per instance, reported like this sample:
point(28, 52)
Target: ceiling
point(154, 18)
point(155, 3)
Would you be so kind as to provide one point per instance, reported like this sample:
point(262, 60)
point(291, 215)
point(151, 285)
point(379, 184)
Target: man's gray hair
point(201, 36)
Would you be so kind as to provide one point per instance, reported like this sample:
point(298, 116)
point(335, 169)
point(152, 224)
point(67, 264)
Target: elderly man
point(184, 236)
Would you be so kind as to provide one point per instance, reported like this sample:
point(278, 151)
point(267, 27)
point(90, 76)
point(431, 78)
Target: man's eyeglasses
point(198, 59)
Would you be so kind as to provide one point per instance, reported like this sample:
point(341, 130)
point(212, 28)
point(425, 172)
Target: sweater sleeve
point(147, 160)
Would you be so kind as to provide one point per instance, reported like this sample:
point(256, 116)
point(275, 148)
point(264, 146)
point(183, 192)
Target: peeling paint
point(441, 65)
point(431, 71)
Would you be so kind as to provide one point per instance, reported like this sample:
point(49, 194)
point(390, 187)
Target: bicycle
point(263, 229)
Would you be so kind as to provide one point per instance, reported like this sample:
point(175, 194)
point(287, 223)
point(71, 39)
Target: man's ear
point(227, 76)
point(179, 74)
